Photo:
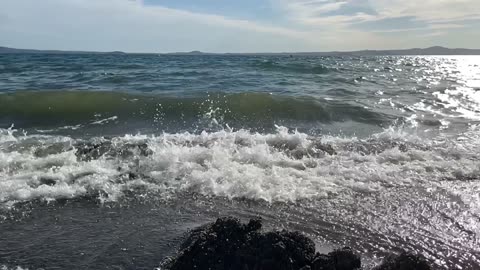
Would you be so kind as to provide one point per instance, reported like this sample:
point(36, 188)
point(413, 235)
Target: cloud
point(132, 26)
point(383, 24)
point(312, 8)
point(350, 13)
point(429, 10)
point(301, 25)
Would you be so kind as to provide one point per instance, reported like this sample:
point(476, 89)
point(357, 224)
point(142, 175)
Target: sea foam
point(278, 167)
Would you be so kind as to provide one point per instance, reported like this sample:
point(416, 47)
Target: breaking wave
point(66, 107)
point(277, 167)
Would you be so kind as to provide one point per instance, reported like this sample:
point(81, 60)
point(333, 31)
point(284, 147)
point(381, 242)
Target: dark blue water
point(106, 160)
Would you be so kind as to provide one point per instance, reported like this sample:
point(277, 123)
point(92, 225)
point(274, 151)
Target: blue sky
point(244, 9)
point(238, 25)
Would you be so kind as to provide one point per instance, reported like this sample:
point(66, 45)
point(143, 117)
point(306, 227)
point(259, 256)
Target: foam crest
point(278, 167)
point(4, 267)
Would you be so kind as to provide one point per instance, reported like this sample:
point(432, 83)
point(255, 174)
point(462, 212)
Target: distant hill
point(5, 50)
point(189, 53)
point(436, 50)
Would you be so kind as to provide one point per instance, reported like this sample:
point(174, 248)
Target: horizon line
point(206, 52)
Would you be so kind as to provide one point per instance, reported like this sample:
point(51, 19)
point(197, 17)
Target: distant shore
point(436, 50)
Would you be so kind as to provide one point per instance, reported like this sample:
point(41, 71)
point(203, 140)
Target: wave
point(396, 185)
point(67, 107)
point(277, 167)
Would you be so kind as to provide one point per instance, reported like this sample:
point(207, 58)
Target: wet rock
point(345, 259)
point(132, 175)
point(229, 244)
point(323, 262)
point(254, 225)
point(404, 261)
point(342, 259)
point(47, 181)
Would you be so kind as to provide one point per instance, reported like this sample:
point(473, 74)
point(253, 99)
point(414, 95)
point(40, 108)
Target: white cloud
point(382, 24)
point(132, 26)
point(129, 25)
point(314, 13)
point(310, 8)
point(429, 10)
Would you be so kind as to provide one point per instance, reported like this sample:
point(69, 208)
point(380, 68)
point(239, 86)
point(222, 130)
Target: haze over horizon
point(240, 26)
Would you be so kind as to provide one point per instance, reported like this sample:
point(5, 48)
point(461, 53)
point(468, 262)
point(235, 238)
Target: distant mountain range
point(5, 50)
point(436, 50)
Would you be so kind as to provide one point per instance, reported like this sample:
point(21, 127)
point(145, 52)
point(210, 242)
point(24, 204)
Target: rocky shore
point(230, 244)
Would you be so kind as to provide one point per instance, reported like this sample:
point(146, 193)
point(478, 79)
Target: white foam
point(4, 267)
point(6, 135)
point(106, 120)
point(234, 164)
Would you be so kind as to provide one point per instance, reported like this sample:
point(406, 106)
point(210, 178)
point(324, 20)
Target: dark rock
point(341, 259)
point(132, 175)
point(254, 224)
point(229, 244)
point(404, 261)
point(323, 262)
point(345, 259)
point(47, 181)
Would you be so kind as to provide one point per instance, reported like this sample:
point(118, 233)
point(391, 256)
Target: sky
point(238, 25)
